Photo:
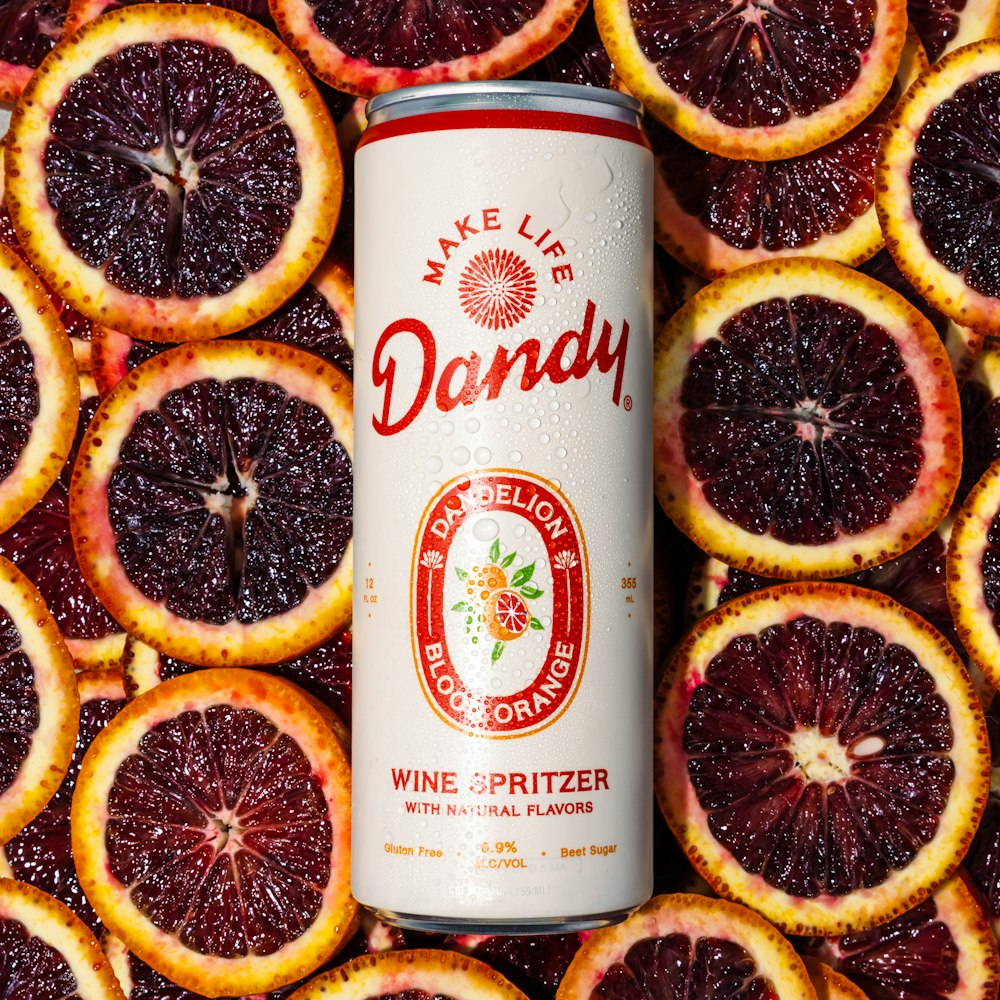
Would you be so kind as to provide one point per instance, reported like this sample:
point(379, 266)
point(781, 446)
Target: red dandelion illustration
point(497, 289)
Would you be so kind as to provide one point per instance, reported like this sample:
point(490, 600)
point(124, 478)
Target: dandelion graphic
point(566, 561)
point(431, 560)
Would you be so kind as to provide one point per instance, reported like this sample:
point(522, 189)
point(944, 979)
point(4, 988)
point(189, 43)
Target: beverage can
point(502, 693)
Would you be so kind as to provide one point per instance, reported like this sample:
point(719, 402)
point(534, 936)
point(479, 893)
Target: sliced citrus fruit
point(974, 574)
point(420, 972)
point(82, 11)
point(41, 853)
point(211, 504)
point(820, 755)
point(943, 25)
point(190, 209)
point(369, 49)
point(942, 948)
point(753, 80)
point(579, 58)
point(980, 400)
point(685, 945)
point(39, 705)
point(211, 832)
point(39, 390)
point(29, 30)
point(47, 951)
point(983, 859)
point(806, 420)
point(318, 317)
point(324, 673)
point(937, 184)
point(962, 343)
point(830, 985)
point(507, 614)
point(41, 545)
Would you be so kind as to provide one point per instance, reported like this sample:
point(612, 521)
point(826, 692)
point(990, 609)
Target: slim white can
point(502, 690)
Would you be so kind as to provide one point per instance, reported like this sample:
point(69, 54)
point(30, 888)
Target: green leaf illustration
point(462, 606)
point(460, 573)
point(529, 592)
point(536, 625)
point(494, 550)
point(497, 652)
point(523, 575)
point(507, 560)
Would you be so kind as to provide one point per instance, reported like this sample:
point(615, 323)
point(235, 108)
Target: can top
point(509, 95)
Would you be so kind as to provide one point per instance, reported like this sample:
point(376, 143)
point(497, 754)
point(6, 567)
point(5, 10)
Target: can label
point(503, 522)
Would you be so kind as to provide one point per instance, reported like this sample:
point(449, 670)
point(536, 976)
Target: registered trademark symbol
point(627, 403)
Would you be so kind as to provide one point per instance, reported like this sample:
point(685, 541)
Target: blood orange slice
point(39, 705)
point(937, 185)
point(324, 672)
point(579, 58)
point(29, 30)
point(974, 574)
point(211, 504)
point(39, 390)
point(687, 946)
point(41, 545)
point(805, 420)
point(82, 11)
point(46, 951)
point(211, 831)
point(369, 49)
point(41, 853)
point(753, 80)
point(400, 975)
point(942, 948)
point(830, 985)
point(319, 317)
point(820, 755)
point(944, 25)
point(983, 860)
point(191, 209)
point(980, 400)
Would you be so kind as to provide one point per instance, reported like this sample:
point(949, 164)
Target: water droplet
point(447, 427)
point(482, 455)
point(433, 464)
point(560, 452)
point(485, 529)
point(472, 425)
point(557, 483)
point(590, 217)
point(543, 439)
point(461, 455)
point(534, 423)
point(515, 456)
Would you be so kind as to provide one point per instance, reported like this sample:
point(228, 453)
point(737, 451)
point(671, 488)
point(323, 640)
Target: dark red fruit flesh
point(675, 966)
point(580, 58)
point(29, 30)
point(989, 567)
point(913, 956)
point(256, 9)
point(935, 22)
point(803, 836)
point(19, 716)
point(883, 268)
point(983, 860)
point(230, 501)
point(171, 168)
point(31, 968)
point(197, 781)
point(980, 434)
point(535, 964)
point(801, 421)
point(754, 63)
point(325, 672)
point(917, 579)
point(19, 402)
point(398, 33)
point(779, 205)
point(41, 853)
point(41, 545)
point(955, 183)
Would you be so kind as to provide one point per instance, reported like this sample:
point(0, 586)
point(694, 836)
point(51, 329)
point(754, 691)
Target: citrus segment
point(974, 574)
point(29, 30)
point(937, 185)
point(983, 860)
point(687, 947)
point(41, 545)
point(39, 705)
point(806, 420)
point(39, 390)
point(47, 951)
point(211, 502)
point(188, 210)
point(41, 853)
point(416, 973)
point(370, 49)
point(820, 755)
point(942, 948)
point(753, 80)
point(211, 832)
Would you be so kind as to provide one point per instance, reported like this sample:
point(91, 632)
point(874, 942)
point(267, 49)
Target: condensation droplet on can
point(461, 455)
point(472, 425)
point(485, 529)
point(590, 217)
point(515, 456)
point(433, 464)
point(482, 455)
